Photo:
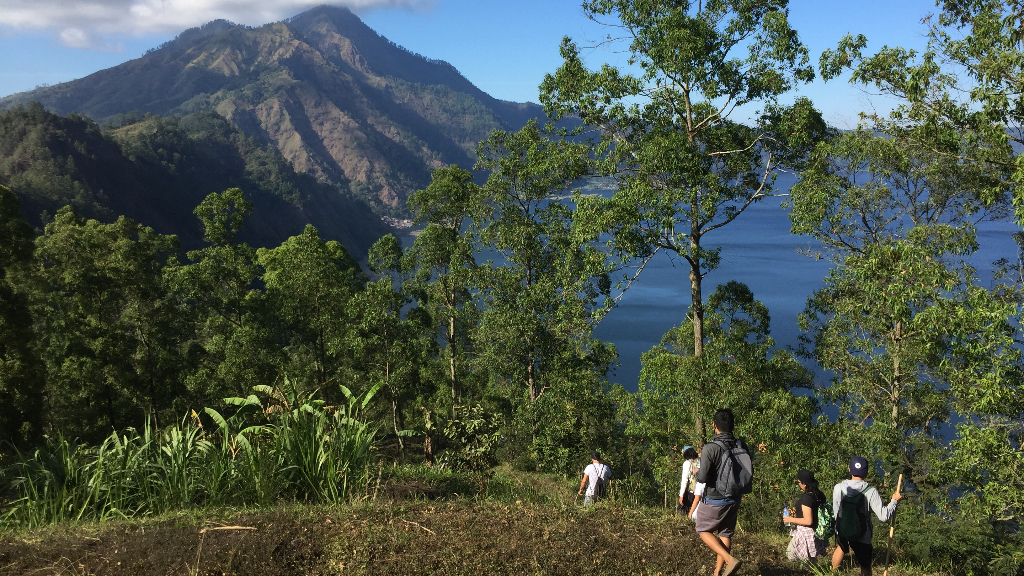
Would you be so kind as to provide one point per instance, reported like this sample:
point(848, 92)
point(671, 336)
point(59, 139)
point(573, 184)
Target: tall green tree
point(738, 369)
point(911, 338)
point(234, 346)
point(310, 285)
point(109, 332)
point(391, 345)
point(674, 132)
point(22, 379)
point(443, 263)
point(983, 38)
point(547, 285)
point(955, 130)
point(898, 221)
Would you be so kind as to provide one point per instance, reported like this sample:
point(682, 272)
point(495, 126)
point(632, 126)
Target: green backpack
point(826, 522)
point(853, 516)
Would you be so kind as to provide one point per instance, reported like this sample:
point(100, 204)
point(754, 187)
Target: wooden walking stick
point(892, 529)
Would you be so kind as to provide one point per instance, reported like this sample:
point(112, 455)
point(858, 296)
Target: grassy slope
point(517, 523)
point(457, 537)
point(432, 538)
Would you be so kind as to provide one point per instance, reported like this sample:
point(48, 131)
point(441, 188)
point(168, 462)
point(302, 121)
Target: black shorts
point(861, 551)
point(687, 503)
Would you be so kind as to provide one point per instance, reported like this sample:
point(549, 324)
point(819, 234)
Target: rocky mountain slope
point(339, 101)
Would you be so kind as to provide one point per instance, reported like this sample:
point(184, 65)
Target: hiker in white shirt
point(591, 474)
point(689, 479)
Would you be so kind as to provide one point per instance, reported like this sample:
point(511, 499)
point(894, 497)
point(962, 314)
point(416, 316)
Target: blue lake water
point(759, 251)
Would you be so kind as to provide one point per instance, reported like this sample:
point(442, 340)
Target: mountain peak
point(339, 101)
point(338, 14)
point(198, 33)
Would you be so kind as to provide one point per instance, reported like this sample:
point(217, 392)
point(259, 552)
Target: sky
point(503, 47)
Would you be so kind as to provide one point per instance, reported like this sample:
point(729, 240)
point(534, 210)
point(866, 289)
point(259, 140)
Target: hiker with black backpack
point(811, 523)
point(853, 501)
point(726, 469)
point(595, 479)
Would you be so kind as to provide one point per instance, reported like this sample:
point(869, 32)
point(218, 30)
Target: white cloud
point(78, 38)
point(74, 37)
point(80, 23)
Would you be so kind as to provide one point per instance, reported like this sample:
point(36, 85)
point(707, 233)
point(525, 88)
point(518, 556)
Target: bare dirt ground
point(460, 537)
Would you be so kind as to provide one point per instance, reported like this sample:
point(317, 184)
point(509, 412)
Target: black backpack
point(735, 473)
point(599, 483)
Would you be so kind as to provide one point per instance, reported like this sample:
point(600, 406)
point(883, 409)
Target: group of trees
point(922, 354)
point(121, 333)
point(481, 332)
point(111, 327)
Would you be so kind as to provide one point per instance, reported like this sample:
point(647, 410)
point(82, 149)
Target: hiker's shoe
point(731, 567)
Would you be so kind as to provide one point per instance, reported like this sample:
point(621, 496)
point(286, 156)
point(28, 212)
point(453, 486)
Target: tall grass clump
point(60, 481)
point(275, 445)
point(322, 453)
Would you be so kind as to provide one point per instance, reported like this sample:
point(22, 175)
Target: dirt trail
point(408, 538)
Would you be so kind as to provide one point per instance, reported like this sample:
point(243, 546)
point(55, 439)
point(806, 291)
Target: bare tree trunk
point(697, 304)
point(532, 383)
point(896, 377)
point(394, 405)
point(150, 369)
point(699, 426)
point(394, 422)
point(428, 440)
point(451, 359)
point(322, 345)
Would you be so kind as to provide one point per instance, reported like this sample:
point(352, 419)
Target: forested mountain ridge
point(156, 170)
point(339, 101)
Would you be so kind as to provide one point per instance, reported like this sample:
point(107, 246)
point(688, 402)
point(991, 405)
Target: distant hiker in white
point(853, 501)
point(688, 482)
point(595, 479)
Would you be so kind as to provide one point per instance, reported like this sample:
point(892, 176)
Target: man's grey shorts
point(721, 519)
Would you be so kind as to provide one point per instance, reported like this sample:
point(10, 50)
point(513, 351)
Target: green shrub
point(472, 439)
point(960, 548)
